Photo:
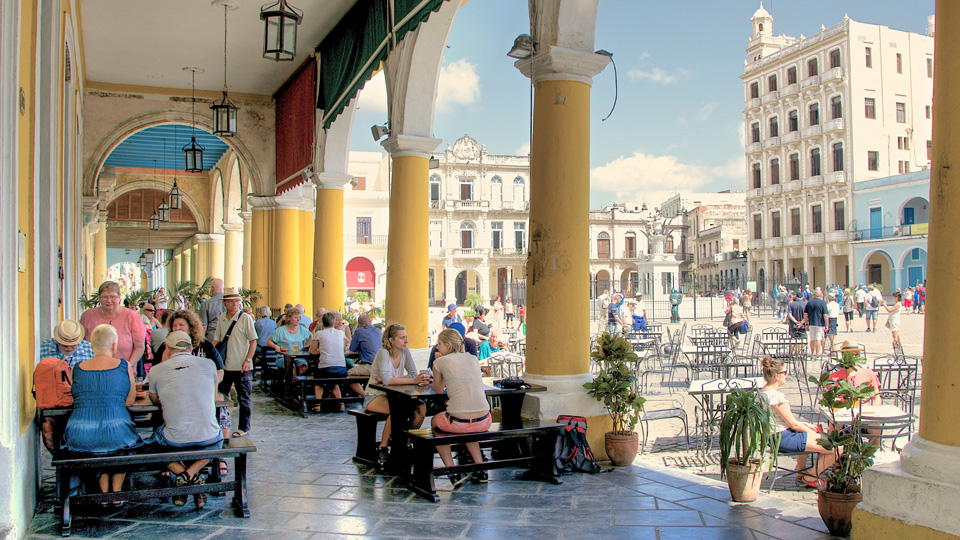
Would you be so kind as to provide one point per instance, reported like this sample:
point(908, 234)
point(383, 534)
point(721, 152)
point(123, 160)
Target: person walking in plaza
point(907, 299)
point(796, 318)
point(849, 305)
point(872, 302)
point(497, 313)
point(734, 316)
point(614, 314)
point(833, 320)
point(211, 309)
point(815, 313)
point(893, 317)
point(861, 296)
point(920, 297)
point(509, 312)
point(131, 333)
point(235, 328)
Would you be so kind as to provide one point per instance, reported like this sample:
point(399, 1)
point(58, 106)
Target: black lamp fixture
point(224, 111)
point(280, 30)
point(148, 257)
point(175, 195)
point(155, 221)
point(164, 208)
point(193, 152)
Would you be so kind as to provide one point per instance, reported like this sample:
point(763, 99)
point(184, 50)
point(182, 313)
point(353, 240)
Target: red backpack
point(51, 384)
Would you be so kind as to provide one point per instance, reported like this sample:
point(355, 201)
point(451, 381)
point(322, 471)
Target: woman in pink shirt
point(127, 322)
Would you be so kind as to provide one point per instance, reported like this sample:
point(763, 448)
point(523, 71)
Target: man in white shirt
point(330, 343)
point(238, 361)
point(871, 306)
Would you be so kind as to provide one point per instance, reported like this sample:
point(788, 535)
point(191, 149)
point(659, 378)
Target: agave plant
point(747, 430)
point(249, 296)
point(349, 317)
point(198, 293)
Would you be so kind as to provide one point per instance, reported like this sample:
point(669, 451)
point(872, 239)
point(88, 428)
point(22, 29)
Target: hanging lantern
point(224, 112)
point(280, 30)
point(154, 222)
point(164, 211)
point(175, 196)
point(148, 257)
point(193, 156)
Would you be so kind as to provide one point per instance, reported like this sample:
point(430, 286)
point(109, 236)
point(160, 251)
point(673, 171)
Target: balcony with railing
point(793, 240)
point(508, 252)
point(754, 147)
point(468, 205)
point(772, 189)
point(772, 141)
point(813, 238)
point(835, 73)
point(790, 89)
point(790, 137)
point(770, 96)
point(469, 253)
point(752, 103)
point(353, 240)
point(810, 81)
point(688, 257)
point(834, 125)
point(437, 253)
point(882, 233)
point(436, 204)
point(773, 242)
point(812, 181)
point(811, 131)
point(836, 177)
point(754, 193)
point(793, 185)
point(836, 236)
point(755, 244)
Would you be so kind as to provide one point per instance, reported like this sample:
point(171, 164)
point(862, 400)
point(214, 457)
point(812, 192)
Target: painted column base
point(565, 395)
point(916, 497)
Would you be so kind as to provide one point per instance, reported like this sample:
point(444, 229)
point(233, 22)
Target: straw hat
point(230, 293)
point(68, 332)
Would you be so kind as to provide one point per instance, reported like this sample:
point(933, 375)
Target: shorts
point(816, 333)
point(798, 333)
point(871, 314)
point(444, 423)
point(832, 327)
point(360, 370)
point(793, 441)
point(848, 316)
point(158, 438)
point(334, 372)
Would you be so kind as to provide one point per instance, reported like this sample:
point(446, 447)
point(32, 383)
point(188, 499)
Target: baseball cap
point(179, 340)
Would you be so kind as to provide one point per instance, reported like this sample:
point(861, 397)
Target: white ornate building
point(849, 103)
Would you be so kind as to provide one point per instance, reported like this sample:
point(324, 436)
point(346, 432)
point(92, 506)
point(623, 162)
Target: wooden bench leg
point(422, 482)
point(366, 441)
point(64, 477)
point(240, 477)
point(303, 399)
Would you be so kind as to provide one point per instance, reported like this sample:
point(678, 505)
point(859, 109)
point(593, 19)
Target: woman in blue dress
point(102, 388)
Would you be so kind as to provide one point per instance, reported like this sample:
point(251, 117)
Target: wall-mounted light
point(522, 47)
point(379, 132)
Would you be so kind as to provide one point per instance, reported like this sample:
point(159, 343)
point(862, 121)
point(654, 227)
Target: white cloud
point(701, 115)
point(373, 97)
point(459, 85)
point(523, 150)
point(660, 76)
point(652, 179)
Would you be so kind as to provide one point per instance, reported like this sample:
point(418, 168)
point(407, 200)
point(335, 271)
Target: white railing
point(793, 185)
point(772, 141)
point(836, 177)
point(755, 244)
point(836, 236)
point(835, 73)
point(753, 147)
point(791, 137)
point(352, 240)
point(791, 89)
point(812, 181)
point(811, 131)
point(752, 103)
point(754, 193)
point(811, 41)
point(834, 125)
point(770, 96)
point(810, 81)
point(794, 240)
point(469, 252)
point(471, 205)
point(813, 238)
point(773, 242)
point(772, 190)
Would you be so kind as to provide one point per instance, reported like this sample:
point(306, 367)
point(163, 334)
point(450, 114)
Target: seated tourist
point(479, 324)
point(467, 408)
point(366, 342)
point(103, 387)
point(392, 365)
point(795, 436)
point(857, 375)
point(159, 334)
point(330, 344)
point(265, 327)
point(186, 388)
point(290, 337)
point(488, 347)
point(469, 345)
point(66, 344)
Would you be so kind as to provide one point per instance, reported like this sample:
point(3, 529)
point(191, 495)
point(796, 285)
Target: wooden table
point(403, 399)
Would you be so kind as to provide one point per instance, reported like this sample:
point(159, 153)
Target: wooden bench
point(537, 439)
point(307, 398)
point(367, 436)
point(153, 457)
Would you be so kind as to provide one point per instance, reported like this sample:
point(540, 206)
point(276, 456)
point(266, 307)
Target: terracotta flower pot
point(744, 480)
point(621, 447)
point(836, 510)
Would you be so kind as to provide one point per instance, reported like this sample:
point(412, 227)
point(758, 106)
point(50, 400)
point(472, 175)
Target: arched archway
point(361, 275)
point(467, 283)
point(216, 219)
point(913, 267)
point(878, 268)
point(915, 211)
point(233, 202)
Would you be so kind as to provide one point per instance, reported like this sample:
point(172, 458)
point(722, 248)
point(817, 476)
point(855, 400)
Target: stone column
point(100, 251)
point(209, 256)
point(329, 286)
point(307, 218)
point(247, 247)
point(561, 70)
point(232, 255)
point(918, 496)
point(174, 273)
point(827, 267)
point(261, 232)
point(407, 252)
point(186, 265)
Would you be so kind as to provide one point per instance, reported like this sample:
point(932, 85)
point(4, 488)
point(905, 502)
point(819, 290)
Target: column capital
point(332, 180)
point(246, 216)
point(232, 228)
point(562, 64)
point(202, 238)
point(401, 145)
point(302, 197)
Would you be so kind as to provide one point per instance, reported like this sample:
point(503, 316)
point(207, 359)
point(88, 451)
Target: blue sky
point(678, 116)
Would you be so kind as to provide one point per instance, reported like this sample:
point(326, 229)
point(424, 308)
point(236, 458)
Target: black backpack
point(572, 451)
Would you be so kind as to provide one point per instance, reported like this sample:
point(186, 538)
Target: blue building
point(889, 232)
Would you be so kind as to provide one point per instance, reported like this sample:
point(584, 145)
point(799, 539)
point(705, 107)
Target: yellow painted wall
point(867, 526)
point(25, 210)
point(329, 286)
point(285, 257)
point(216, 250)
point(306, 261)
point(259, 260)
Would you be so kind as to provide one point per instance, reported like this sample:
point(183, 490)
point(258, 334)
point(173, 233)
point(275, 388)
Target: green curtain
point(354, 49)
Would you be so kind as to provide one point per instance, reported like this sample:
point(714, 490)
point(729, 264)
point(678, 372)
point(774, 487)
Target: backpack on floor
point(573, 453)
point(51, 384)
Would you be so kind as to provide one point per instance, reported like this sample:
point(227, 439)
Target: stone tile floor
point(303, 485)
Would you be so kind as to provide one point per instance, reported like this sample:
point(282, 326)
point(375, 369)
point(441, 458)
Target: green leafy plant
point(249, 296)
point(135, 298)
point(615, 384)
point(349, 317)
point(90, 301)
point(361, 296)
point(747, 430)
point(473, 300)
point(470, 313)
point(854, 454)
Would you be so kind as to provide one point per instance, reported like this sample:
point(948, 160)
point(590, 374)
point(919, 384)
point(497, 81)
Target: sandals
point(223, 468)
point(239, 433)
point(200, 499)
point(179, 481)
point(808, 480)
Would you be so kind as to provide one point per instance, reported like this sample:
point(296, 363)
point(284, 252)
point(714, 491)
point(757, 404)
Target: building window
point(903, 143)
point(869, 54)
point(496, 235)
point(795, 166)
point(794, 221)
point(757, 226)
point(812, 68)
point(904, 167)
point(793, 123)
point(873, 160)
point(434, 188)
point(792, 75)
point(466, 235)
point(364, 230)
point(669, 246)
point(756, 176)
point(772, 83)
point(496, 189)
point(520, 235)
point(755, 132)
point(774, 127)
point(815, 162)
point(359, 183)
point(775, 224)
point(775, 171)
point(835, 58)
point(630, 246)
point(869, 107)
point(899, 63)
point(929, 110)
point(915, 254)
point(838, 219)
point(901, 113)
point(603, 246)
point(814, 114)
point(816, 213)
point(929, 68)
point(836, 108)
point(838, 156)
point(466, 189)
point(519, 191)
point(754, 90)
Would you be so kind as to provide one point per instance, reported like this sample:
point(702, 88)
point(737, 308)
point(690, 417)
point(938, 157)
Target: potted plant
point(615, 386)
point(747, 431)
point(837, 498)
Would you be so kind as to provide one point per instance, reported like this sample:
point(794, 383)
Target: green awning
point(355, 48)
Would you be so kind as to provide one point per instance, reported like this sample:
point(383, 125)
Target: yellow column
point(215, 252)
point(233, 255)
point(261, 232)
point(174, 270)
point(247, 247)
point(186, 268)
point(407, 254)
point(329, 287)
point(307, 220)
point(918, 496)
point(143, 281)
point(100, 253)
point(202, 257)
point(285, 257)
point(197, 270)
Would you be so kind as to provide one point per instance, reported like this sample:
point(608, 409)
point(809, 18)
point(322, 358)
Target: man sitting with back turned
point(367, 340)
point(186, 388)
